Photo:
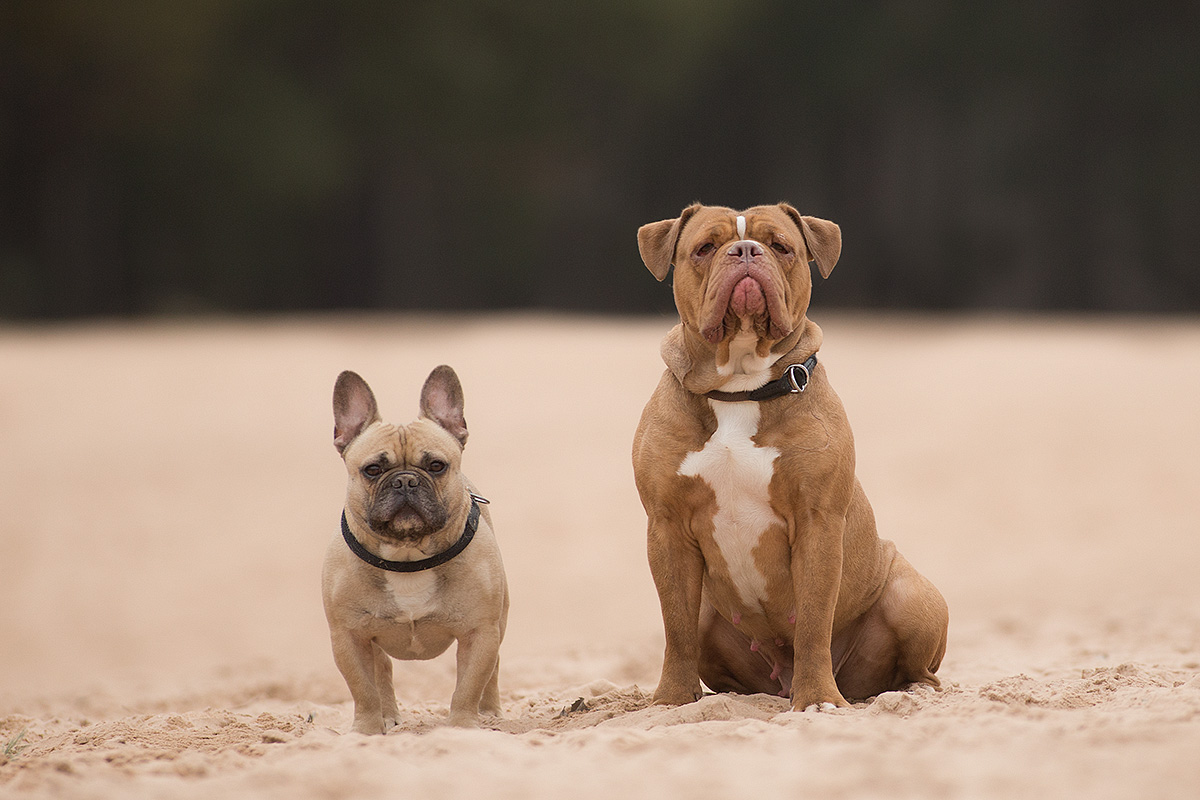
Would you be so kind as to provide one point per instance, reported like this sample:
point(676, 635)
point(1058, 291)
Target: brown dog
point(416, 566)
point(761, 541)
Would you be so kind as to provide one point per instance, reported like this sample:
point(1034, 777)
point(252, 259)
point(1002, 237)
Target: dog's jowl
point(415, 565)
point(761, 541)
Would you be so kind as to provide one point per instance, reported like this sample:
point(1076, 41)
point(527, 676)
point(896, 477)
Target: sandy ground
point(167, 491)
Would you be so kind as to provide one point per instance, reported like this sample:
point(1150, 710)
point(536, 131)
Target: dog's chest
point(739, 473)
point(410, 596)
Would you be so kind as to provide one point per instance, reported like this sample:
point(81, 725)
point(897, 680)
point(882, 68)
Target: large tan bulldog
point(761, 541)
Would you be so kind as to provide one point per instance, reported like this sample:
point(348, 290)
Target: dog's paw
point(369, 727)
point(463, 719)
point(676, 697)
point(819, 703)
point(817, 707)
point(817, 698)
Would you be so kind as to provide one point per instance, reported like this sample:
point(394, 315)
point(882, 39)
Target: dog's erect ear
point(354, 408)
point(657, 240)
point(442, 402)
point(822, 237)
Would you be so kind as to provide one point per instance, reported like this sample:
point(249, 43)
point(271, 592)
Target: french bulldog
point(761, 541)
point(416, 565)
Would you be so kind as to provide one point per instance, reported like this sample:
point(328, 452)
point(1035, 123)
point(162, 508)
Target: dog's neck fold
point(693, 361)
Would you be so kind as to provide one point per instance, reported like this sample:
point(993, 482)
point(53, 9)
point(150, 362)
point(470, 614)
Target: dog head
point(741, 271)
point(405, 481)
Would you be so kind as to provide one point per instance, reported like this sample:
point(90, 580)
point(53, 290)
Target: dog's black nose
point(405, 480)
point(746, 250)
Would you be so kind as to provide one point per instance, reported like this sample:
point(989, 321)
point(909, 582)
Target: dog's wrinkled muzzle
point(406, 507)
point(746, 287)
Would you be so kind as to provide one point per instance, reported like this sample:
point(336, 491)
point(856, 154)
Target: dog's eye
point(372, 470)
point(781, 248)
point(705, 249)
point(437, 466)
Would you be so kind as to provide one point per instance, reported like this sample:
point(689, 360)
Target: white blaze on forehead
point(739, 472)
point(741, 226)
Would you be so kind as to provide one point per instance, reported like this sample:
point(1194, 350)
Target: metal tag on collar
point(798, 385)
point(478, 498)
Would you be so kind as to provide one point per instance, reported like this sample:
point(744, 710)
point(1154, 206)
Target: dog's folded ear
point(657, 240)
point(354, 408)
point(442, 402)
point(822, 237)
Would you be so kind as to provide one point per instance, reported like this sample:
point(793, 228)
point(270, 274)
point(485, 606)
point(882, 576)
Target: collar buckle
point(797, 375)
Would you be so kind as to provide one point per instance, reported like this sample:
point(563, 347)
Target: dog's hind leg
point(899, 641)
point(387, 689)
point(916, 612)
point(490, 702)
point(478, 661)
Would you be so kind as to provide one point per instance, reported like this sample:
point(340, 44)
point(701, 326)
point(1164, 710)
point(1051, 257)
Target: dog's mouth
point(747, 298)
point(745, 292)
point(403, 520)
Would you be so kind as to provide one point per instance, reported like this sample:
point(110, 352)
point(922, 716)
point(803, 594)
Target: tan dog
point(416, 565)
point(761, 541)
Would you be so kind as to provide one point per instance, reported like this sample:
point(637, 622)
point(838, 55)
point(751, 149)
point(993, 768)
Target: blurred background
point(220, 156)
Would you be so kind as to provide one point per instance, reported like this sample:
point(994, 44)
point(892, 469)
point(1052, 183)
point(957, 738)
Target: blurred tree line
point(233, 155)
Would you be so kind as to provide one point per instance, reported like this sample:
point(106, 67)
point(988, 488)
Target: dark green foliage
point(235, 155)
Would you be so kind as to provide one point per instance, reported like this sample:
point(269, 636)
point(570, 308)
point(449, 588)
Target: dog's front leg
point(478, 658)
point(678, 570)
point(356, 659)
point(816, 577)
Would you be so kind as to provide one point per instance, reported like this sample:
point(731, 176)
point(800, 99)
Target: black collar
point(421, 564)
point(793, 381)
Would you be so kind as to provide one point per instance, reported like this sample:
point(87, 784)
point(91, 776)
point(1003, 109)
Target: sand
point(167, 491)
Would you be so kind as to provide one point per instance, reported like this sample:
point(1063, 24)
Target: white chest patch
point(413, 593)
point(739, 473)
point(741, 226)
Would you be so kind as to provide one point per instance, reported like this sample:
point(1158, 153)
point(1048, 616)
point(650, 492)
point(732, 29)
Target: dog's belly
point(739, 473)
